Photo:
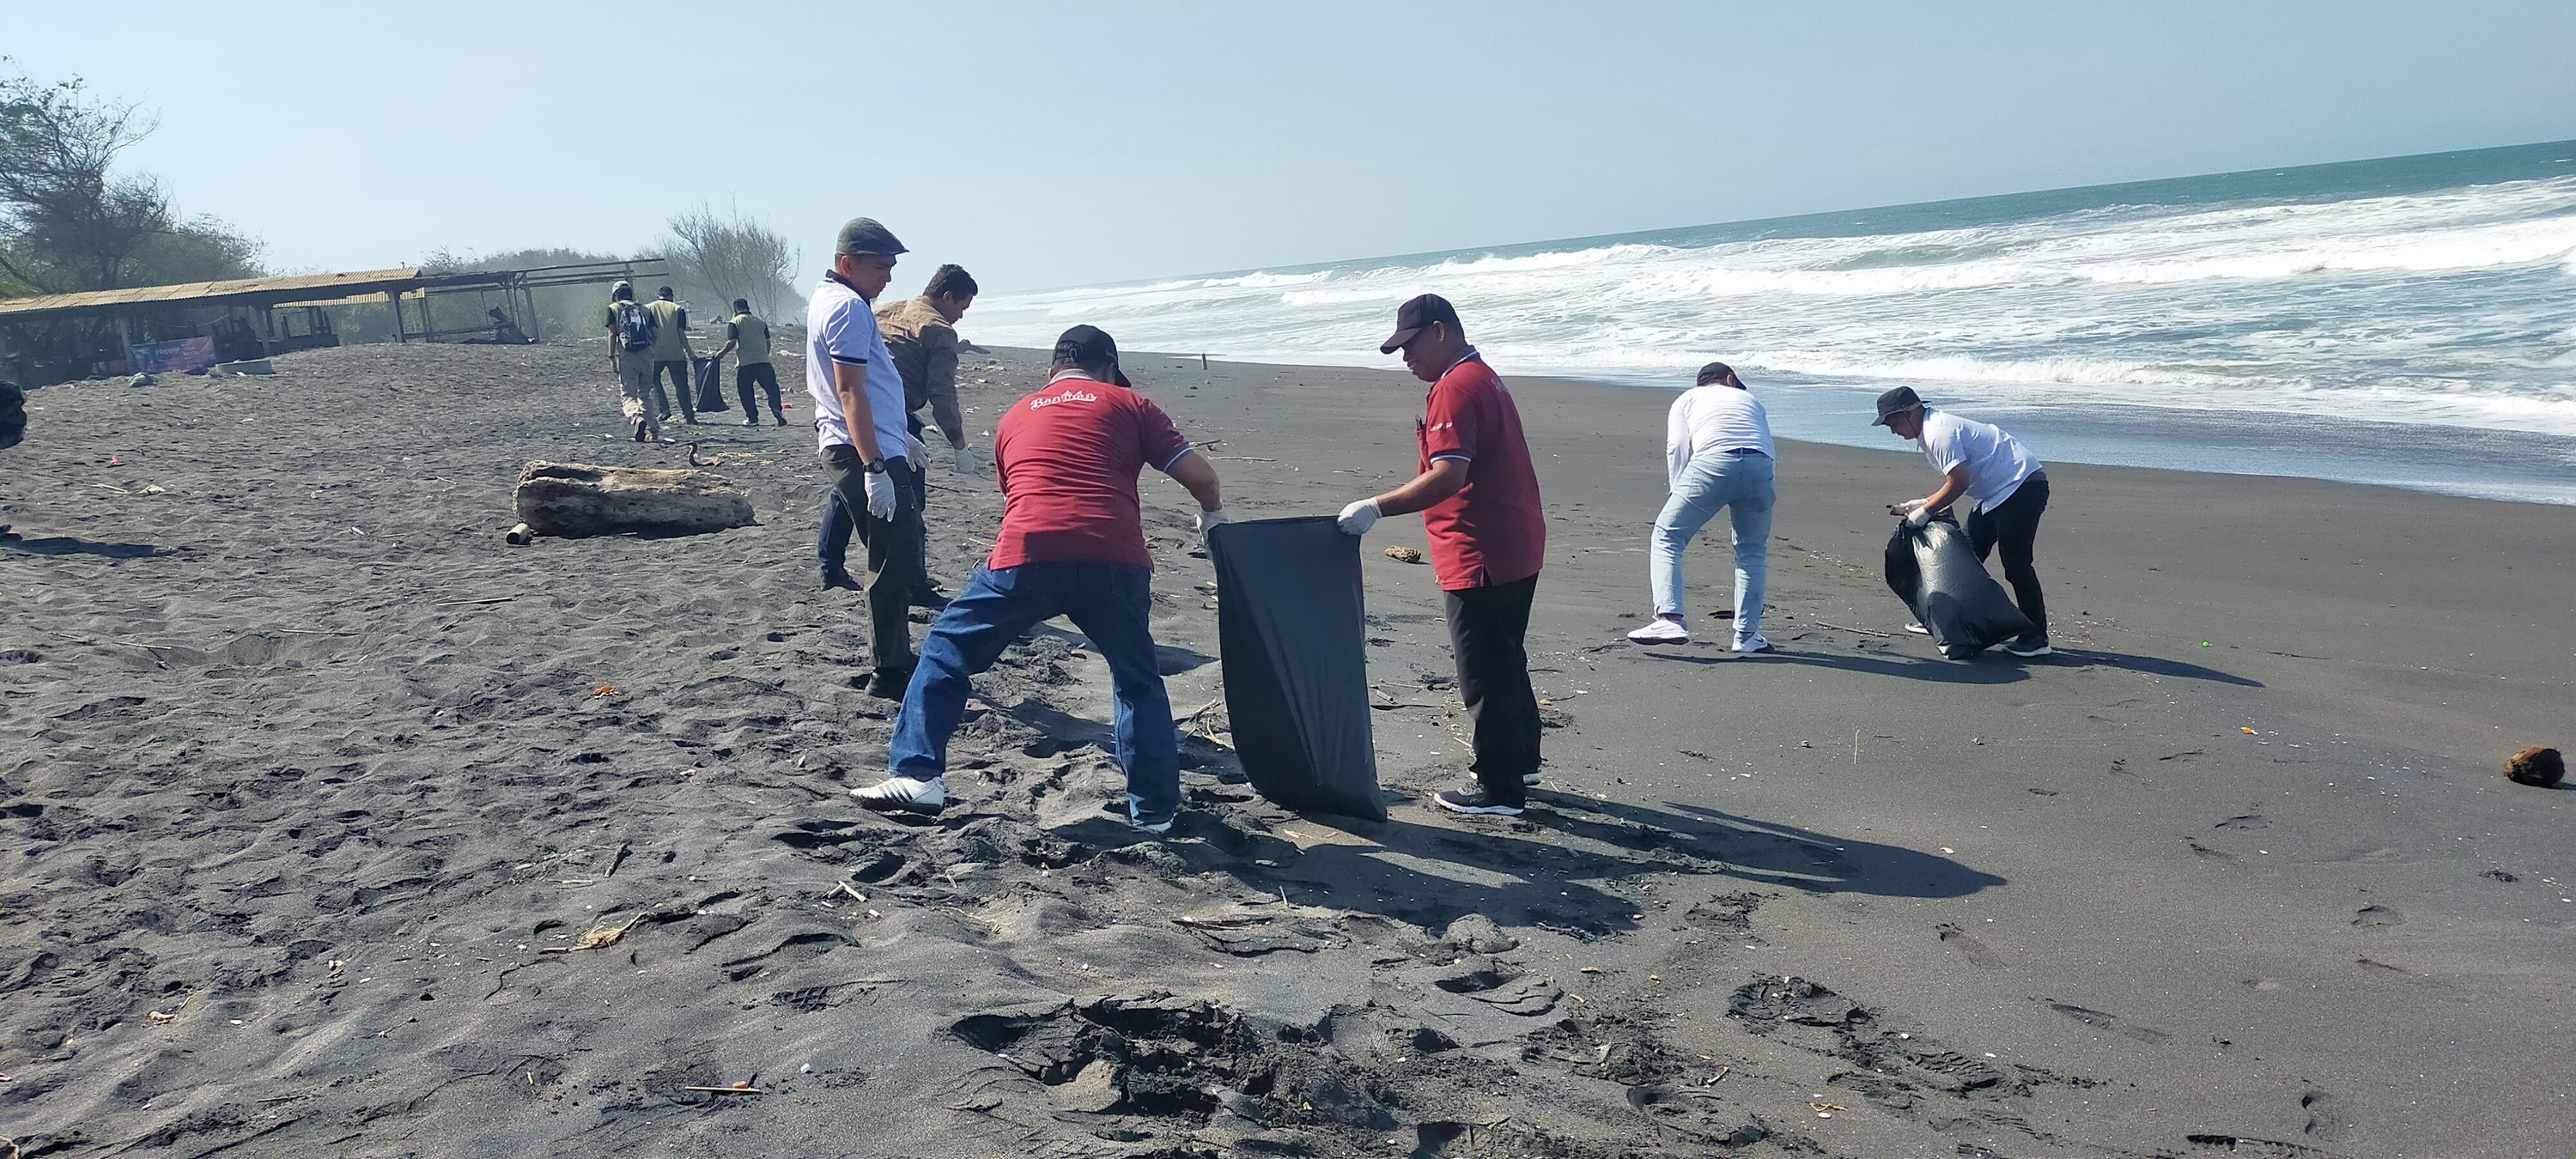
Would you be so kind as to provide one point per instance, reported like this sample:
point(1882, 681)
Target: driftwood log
point(578, 499)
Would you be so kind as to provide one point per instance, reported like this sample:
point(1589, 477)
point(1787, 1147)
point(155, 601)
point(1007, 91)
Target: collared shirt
point(670, 342)
point(750, 338)
point(925, 353)
point(1997, 462)
point(1494, 530)
point(1068, 457)
point(841, 330)
point(1713, 420)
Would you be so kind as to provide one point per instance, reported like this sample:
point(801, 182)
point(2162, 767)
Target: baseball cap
point(864, 236)
point(1412, 317)
point(1715, 372)
point(622, 286)
point(1896, 402)
point(1090, 346)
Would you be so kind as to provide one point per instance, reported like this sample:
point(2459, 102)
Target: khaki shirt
point(750, 340)
point(671, 344)
point(924, 346)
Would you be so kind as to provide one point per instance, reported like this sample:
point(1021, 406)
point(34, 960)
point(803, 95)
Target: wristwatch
point(877, 468)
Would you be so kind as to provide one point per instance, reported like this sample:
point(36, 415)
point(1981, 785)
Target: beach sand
point(323, 810)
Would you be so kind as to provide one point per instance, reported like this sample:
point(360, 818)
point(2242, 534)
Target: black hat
point(864, 236)
point(1089, 346)
point(1896, 402)
point(1715, 372)
point(1412, 317)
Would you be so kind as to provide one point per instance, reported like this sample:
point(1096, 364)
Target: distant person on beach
point(747, 339)
point(2006, 491)
point(1478, 496)
point(858, 420)
point(672, 355)
point(631, 334)
point(1717, 456)
point(1072, 544)
point(922, 333)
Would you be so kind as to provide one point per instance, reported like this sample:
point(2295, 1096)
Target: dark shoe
point(639, 432)
point(834, 577)
point(890, 683)
point(753, 422)
point(666, 416)
point(929, 596)
point(782, 420)
point(1473, 801)
point(2030, 646)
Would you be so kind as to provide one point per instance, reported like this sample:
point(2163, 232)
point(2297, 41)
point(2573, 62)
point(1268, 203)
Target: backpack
point(636, 328)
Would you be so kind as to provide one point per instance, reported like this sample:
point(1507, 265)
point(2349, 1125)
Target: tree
point(735, 256)
point(69, 222)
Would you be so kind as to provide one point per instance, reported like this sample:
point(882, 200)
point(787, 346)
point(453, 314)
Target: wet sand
point(312, 792)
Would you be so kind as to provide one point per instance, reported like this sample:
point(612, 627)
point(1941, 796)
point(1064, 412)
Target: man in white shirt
point(2005, 487)
point(859, 421)
point(1717, 457)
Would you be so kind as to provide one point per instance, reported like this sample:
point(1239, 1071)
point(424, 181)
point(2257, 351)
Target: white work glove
point(881, 501)
point(1357, 518)
point(1918, 517)
point(1209, 519)
point(916, 452)
point(965, 461)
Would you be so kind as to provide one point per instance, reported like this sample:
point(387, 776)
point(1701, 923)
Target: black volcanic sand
point(321, 806)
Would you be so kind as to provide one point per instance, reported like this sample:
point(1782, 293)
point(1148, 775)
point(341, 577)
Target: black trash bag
point(1935, 570)
point(709, 375)
point(13, 415)
point(1296, 667)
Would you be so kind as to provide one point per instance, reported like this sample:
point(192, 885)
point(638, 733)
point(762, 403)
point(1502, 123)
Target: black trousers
point(758, 374)
point(680, 385)
point(1488, 627)
point(2013, 526)
point(894, 553)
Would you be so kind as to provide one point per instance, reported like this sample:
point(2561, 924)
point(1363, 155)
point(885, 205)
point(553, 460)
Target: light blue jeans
point(1741, 485)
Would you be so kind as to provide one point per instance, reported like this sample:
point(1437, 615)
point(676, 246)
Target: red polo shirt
point(1068, 457)
point(1493, 531)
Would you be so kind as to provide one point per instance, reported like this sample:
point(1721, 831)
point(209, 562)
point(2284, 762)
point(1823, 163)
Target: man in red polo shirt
point(1478, 496)
point(1072, 544)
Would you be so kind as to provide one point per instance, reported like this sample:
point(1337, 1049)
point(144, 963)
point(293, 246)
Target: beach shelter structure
point(56, 337)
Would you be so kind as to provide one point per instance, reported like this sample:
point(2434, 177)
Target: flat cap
point(864, 236)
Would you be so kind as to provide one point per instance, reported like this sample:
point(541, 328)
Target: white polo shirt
point(840, 327)
point(1713, 419)
point(1997, 462)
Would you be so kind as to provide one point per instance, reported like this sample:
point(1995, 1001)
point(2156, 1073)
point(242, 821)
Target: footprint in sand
point(1976, 951)
point(2244, 821)
point(2110, 1022)
point(2326, 1118)
point(2378, 915)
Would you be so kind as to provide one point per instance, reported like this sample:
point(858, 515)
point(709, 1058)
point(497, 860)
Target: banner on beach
point(177, 356)
point(1289, 628)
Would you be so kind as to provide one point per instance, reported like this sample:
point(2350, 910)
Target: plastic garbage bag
point(1289, 629)
point(1935, 570)
point(13, 415)
point(709, 374)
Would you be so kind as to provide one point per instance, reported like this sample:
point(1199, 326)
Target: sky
point(1052, 144)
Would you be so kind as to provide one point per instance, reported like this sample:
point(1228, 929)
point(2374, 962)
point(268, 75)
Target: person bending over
point(922, 334)
point(1072, 543)
point(1478, 495)
point(2006, 489)
point(1717, 456)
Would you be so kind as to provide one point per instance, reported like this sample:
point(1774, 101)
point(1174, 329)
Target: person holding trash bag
point(673, 355)
point(858, 420)
point(1717, 456)
point(1478, 495)
point(747, 339)
point(1072, 543)
point(2004, 484)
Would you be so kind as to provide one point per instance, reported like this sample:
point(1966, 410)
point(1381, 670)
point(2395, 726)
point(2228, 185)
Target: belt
point(1747, 451)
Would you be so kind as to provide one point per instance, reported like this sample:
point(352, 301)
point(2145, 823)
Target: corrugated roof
point(343, 284)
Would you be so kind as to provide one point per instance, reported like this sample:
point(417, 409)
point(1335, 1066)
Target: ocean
point(2408, 321)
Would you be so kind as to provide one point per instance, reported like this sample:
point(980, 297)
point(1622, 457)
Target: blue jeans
point(1741, 485)
point(1109, 602)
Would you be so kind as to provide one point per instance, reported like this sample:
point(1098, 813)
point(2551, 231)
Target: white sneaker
point(1918, 629)
point(904, 795)
point(1661, 631)
point(1754, 643)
